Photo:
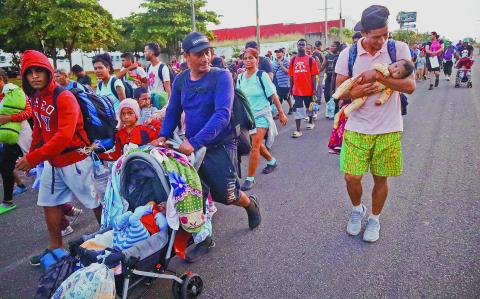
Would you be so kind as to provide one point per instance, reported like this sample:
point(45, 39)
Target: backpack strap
point(392, 50)
point(160, 73)
point(259, 76)
point(310, 63)
point(112, 86)
point(352, 56)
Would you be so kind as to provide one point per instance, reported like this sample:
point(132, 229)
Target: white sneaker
point(448, 78)
point(76, 212)
point(315, 116)
point(67, 231)
point(297, 134)
point(310, 126)
point(354, 224)
point(307, 118)
point(372, 231)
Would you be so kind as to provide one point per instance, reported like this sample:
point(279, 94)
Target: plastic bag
point(330, 110)
point(95, 282)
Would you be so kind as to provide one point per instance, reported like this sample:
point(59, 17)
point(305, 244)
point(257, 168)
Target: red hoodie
point(58, 131)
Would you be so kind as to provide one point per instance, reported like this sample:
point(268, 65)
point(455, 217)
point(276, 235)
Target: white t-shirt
point(107, 91)
point(154, 82)
point(130, 76)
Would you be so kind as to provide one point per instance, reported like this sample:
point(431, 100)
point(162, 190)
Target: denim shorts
point(60, 185)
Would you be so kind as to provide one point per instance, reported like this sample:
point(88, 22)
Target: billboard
point(407, 17)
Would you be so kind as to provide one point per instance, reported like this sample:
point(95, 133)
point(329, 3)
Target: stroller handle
point(196, 158)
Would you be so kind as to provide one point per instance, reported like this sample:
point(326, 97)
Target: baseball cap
point(251, 44)
point(281, 50)
point(357, 35)
point(195, 42)
point(373, 17)
point(318, 43)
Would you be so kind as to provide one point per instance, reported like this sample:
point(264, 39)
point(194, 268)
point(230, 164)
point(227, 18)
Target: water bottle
point(330, 110)
point(101, 175)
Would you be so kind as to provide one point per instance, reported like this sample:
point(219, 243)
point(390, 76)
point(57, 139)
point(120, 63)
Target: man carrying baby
point(373, 133)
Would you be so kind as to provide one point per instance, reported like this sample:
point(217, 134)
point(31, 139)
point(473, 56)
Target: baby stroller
point(142, 179)
point(464, 77)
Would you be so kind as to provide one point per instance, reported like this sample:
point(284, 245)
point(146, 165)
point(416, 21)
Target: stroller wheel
point(469, 84)
point(191, 287)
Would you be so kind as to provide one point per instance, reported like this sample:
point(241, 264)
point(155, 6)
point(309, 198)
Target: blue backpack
point(99, 118)
point(392, 52)
point(352, 55)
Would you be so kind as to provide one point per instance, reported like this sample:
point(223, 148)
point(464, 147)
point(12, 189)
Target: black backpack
point(242, 119)
point(171, 73)
point(53, 278)
point(99, 118)
point(128, 88)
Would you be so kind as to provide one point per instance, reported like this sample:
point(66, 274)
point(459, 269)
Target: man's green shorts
point(381, 153)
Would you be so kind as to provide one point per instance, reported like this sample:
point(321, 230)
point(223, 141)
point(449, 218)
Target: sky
point(459, 19)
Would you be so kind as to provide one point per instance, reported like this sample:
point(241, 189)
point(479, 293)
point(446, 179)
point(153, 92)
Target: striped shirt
point(281, 78)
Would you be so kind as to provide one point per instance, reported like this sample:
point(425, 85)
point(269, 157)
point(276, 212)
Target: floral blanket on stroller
point(185, 201)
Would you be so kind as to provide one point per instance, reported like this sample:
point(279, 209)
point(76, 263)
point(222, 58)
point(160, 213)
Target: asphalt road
point(429, 245)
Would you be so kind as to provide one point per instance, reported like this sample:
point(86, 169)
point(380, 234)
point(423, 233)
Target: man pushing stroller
point(206, 94)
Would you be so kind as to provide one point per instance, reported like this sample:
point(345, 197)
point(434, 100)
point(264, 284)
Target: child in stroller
point(464, 70)
point(139, 177)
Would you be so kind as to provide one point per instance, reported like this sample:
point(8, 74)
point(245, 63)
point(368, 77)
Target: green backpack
point(14, 102)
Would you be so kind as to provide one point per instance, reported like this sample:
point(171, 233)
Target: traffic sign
point(407, 17)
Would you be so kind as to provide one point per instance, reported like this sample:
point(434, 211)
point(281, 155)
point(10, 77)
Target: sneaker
point(297, 134)
point(19, 190)
point(448, 78)
point(290, 111)
point(431, 87)
point(372, 231)
point(437, 80)
point(310, 126)
point(269, 168)
point(67, 231)
point(354, 224)
point(307, 118)
point(200, 249)
point(35, 260)
point(315, 116)
point(76, 212)
point(247, 185)
point(253, 212)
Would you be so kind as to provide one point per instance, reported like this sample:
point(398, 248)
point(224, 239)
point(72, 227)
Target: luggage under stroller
point(143, 179)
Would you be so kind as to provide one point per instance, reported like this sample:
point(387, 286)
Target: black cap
point(373, 17)
point(251, 45)
point(318, 43)
point(195, 42)
point(357, 35)
point(282, 50)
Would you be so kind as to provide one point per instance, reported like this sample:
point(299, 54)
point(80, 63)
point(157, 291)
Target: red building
point(274, 29)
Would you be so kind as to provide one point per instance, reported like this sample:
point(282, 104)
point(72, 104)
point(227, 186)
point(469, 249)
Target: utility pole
point(192, 4)
point(326, 23)
point(258, 26)
point(341, 25)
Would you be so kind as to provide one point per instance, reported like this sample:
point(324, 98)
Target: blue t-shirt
point(253, 90)
point(282, 79)
point(207, 104)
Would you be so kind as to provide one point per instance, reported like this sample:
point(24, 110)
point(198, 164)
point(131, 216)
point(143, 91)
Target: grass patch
point(271, 39)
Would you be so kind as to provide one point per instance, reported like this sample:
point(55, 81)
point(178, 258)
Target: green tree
point(53, 25)
point(129, 41)
point(346, 34)
point(168, 21)
point(236, 52)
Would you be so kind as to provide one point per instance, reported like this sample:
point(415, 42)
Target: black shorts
point(429, 67)
point(218, 174)
point(302, 101)
point(283, 93)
